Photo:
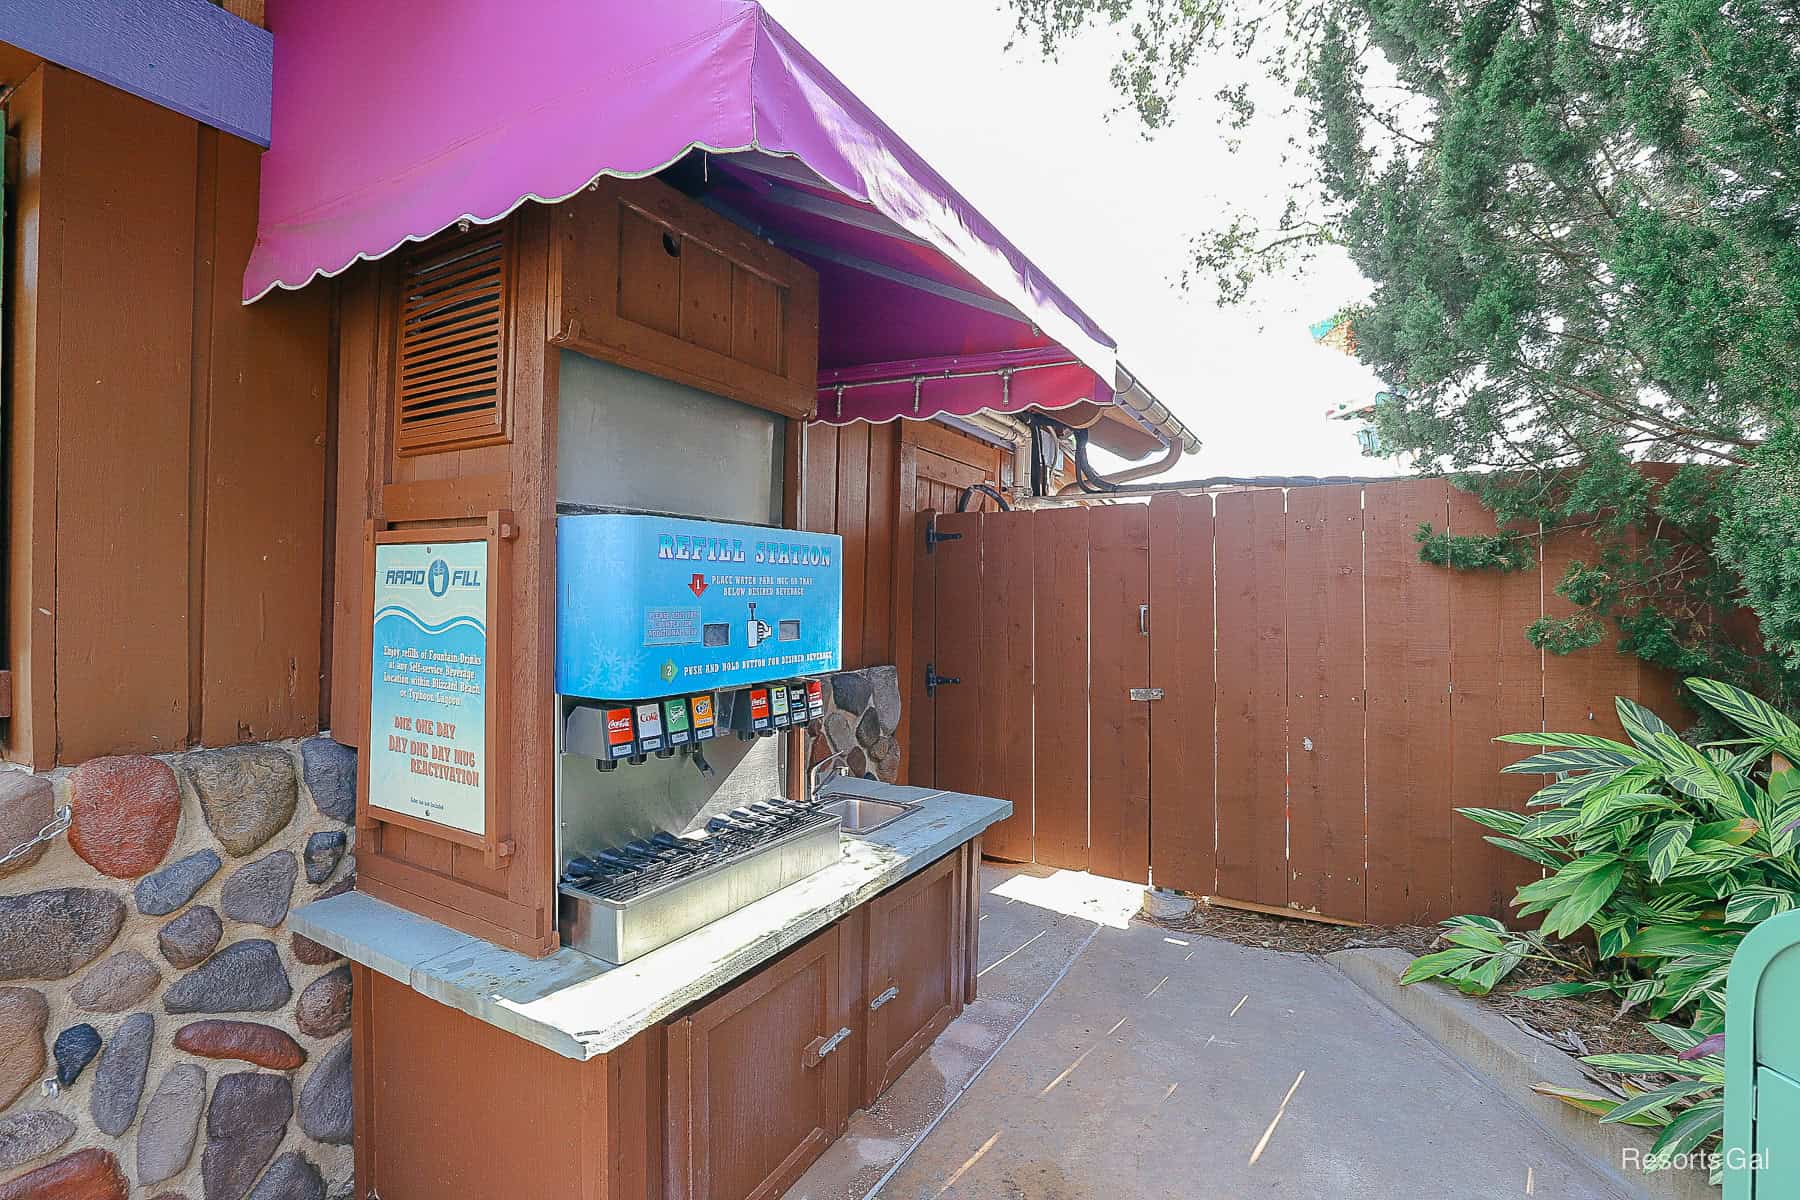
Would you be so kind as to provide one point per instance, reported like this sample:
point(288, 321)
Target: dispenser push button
point(706, 721)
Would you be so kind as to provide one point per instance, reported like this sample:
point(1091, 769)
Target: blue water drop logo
point(438, 578)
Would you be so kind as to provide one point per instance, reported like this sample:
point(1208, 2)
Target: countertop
point(580, 1007)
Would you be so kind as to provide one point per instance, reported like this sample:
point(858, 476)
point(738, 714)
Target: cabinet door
point(914, 985)
point(757, 1088)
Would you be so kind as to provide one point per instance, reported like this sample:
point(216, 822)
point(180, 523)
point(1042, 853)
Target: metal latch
point(933, 680)
point(933, 537)
point(821, 1046)
point(882, 999)
point(1146, 693)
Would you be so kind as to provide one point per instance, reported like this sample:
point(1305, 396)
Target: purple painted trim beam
point(993, 360)
point(189, 56)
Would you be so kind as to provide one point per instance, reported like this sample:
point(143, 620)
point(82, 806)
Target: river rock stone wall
point(161, 1034)
point(862, 719)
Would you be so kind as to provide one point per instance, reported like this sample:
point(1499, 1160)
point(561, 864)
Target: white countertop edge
point(580, 1007)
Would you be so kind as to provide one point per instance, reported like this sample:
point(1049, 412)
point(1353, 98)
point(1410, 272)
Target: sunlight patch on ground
point(1110, 902)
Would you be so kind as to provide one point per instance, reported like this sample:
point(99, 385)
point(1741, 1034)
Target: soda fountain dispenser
point(671, 632)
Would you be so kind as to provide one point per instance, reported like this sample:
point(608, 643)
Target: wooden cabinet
point(914, 982)
point(758, 1083)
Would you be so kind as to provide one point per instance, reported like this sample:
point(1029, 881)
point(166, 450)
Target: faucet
point(812, 775)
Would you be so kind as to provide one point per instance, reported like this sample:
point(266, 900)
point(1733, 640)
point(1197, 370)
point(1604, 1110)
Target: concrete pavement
point(1158, 1065)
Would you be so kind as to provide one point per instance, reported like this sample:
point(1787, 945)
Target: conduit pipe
point(1141, 403)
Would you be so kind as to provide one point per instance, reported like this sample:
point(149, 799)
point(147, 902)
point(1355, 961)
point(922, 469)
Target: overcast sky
point(1109, 214)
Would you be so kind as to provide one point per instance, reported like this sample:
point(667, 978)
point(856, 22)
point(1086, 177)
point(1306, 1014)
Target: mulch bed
point(1577, 1025)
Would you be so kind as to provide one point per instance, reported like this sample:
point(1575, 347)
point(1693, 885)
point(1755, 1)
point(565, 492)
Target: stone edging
point(1496, 1050)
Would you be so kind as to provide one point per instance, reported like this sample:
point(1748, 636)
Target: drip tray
point(617, 930)
point(861, 814)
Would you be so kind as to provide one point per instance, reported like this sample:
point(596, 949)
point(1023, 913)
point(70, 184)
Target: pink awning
point(393, 122)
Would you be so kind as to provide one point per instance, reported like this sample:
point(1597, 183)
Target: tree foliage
point(1580, 224)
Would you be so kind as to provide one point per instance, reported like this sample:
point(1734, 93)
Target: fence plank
point(1005, 683)
point(1181, 742)
point(920, 721)
point(1408, 623)
point(1060, 569)
point(1325, 699)
point(1496, 687)
point(1580, 688)
point(956, 710)
point(1250, 539)
point(1119, 727)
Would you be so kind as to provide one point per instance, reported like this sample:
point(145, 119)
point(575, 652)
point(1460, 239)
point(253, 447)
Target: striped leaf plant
point(1667, 854)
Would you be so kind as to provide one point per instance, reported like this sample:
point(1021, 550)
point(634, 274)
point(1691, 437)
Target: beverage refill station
point(663, 665)
point(612, 936)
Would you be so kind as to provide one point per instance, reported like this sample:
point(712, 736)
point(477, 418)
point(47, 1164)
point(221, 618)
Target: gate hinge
point(933, 537)
point(933, 680)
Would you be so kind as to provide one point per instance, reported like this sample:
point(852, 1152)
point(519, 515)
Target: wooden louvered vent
point(452, 369)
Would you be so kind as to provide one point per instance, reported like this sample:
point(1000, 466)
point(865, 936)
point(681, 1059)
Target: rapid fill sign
point(650, 607)
point(428, 687)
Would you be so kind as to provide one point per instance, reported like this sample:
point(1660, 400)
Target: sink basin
point(861, 815)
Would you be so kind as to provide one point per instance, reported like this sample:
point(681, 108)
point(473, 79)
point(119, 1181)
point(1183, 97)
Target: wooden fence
point(1327, 699)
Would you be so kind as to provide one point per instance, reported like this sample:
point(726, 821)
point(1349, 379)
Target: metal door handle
point(821, 1046)
point(882, 999)
point(1144, 620)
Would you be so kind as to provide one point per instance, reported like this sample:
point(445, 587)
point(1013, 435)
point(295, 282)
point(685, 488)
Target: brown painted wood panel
point(1250, 537)
point(818, 489)
point(1060, 649)
point(628, 250)
point(853, 526)
point(956, 710)
point(1119, 727)
point(1409, 706)
point(1580, 689)
point(123, 388)
point(918, 721)
point(1325, 699)
point(882, 524)
point(753, 1103)
point(1496, 687)
point(532, 1105)
point(1181, 739)
point(912, 989)
point(264, 484)
point(1002, 685)
point(34, 248)
point(358, 321)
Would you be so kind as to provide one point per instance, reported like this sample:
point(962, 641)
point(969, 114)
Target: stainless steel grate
point(692, 856)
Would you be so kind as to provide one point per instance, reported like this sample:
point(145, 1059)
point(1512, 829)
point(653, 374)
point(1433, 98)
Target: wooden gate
point(1322, 699)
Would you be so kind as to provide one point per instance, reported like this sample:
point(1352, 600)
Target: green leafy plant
point(1501, 552)
point(1481, 953)
point(1668, 854)
point(1685, 1095)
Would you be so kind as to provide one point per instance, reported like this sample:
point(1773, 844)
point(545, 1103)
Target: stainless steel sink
point(861, 814)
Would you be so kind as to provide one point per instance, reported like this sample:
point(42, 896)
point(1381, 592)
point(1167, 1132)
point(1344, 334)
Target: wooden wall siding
point(166, 445)
point(866, 483)
point(1329, 699)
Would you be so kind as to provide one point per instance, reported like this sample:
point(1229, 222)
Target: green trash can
point(1762, 1064)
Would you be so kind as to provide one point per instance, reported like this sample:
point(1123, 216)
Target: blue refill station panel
point(658, 606)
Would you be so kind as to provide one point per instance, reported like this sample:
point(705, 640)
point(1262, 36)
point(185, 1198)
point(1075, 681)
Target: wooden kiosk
point(448, 431)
